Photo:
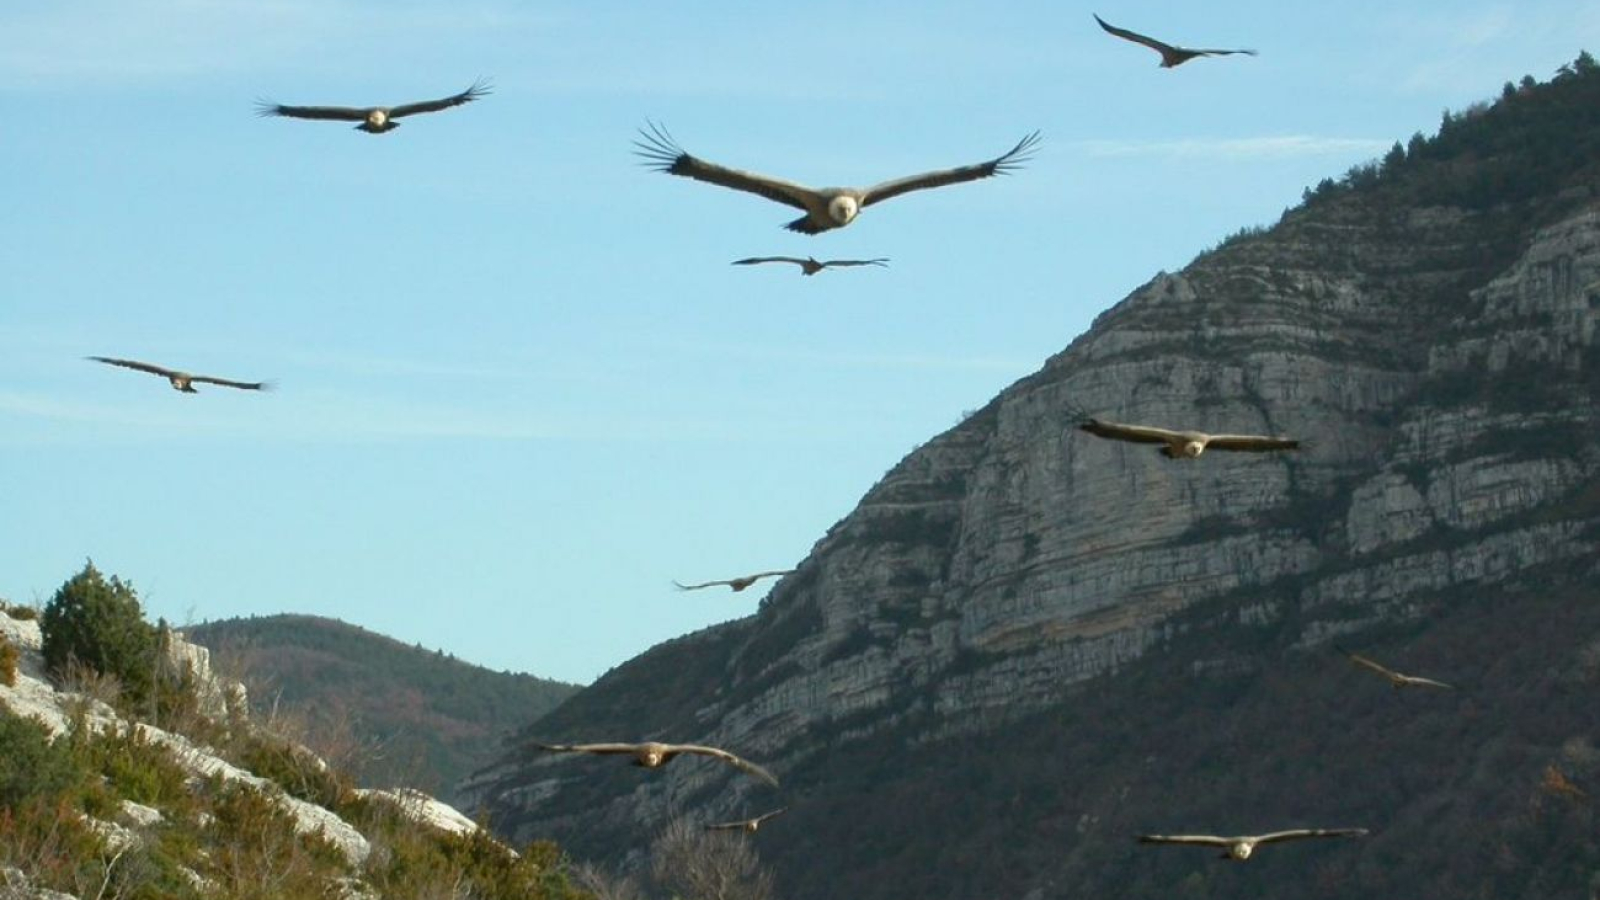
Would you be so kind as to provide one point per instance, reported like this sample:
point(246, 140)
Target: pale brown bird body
point(1187, 444)
point(374, 119)
point(181, 381)
point(810, 265)
point(652, 754)
point(749, 826)
point(825, 208)
point(737, 584)
point(1241, 847)
point(1397, 680)
point(1170, 56)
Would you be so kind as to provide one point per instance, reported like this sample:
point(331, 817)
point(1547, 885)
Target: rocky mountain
point(1027, 645)
point(409, 716)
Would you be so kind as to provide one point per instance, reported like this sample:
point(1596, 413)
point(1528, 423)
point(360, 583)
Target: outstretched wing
point(1251, 443)
point(1000, 165)
point(856, 262)
point(729, 758)
point(1203, 840)
point(1224, 52)
point(753, 260)
point(242, 385)
point(478, 89)
point(1138, 434)
point(1160, 47)
point(1364, 662)
point(589, 748)
point(1419, 681)
point(135, 364)
point(662, 153)
point(696, 587)
point(1298, 833)
point(768, 574)
point(335, 113)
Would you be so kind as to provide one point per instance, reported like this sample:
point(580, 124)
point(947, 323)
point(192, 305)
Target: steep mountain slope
point(432, 718)
point(1027, 644)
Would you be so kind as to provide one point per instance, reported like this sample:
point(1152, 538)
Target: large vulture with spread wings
point(182, 381)
point(1241, 846)
point(811, 265)
point(1397, 679)
point(737, 584)
point(824, 208)
point(651, 755)
point(1170, 56)
point(750, 825)
point(1187, 444)
point(374, 119)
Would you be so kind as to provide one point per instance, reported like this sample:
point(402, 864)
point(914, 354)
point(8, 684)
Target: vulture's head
point(842, 209)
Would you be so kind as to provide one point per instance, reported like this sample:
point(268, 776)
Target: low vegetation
point(109, 808)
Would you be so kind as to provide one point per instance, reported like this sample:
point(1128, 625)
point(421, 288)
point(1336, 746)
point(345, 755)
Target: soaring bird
point(1170, 56)
point(810, 265)
point(651, 754)
point(737, 584)
point(1397, 679)
point(1187, 444)
point(747, 825)
point(825, 208)
point(182, 381)
point(1241, 847)
point(374, 119)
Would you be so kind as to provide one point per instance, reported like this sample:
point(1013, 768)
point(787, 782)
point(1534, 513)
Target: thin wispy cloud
point(1249, 149)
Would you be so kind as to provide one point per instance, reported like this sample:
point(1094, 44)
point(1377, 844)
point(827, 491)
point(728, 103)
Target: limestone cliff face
point(1438, 359)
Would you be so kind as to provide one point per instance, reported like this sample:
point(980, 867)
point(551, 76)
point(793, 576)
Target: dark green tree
point(99, 624)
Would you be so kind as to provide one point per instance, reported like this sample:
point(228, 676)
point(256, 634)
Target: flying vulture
point(1397, 679)
point(747, 825)
point(182, 381)
point(1170, 56)
point(373, 119)
point(651, 754)
point(810, 265)
point(1187, 444)
point(1241, 847)
point(737, 584)
point(825, 208)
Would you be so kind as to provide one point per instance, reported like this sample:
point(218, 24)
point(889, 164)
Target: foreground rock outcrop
point(1027, 644)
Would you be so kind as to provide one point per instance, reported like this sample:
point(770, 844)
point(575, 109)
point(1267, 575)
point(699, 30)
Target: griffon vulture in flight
point(374, 119)
point(1241, 847)
point(182, 381)
point(1170, 56)
point(825, 208)
point(1187, 444)
point(747, 825)
point(810, 265)
point(653, 755)
point(737, 584)
point(1397, 679)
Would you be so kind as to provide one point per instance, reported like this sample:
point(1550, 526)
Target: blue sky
point(520, 387)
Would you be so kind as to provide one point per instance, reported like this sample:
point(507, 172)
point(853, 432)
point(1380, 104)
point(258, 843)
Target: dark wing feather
point(590, 748)
point(696, 587)
point(738, 762)
point(1204, 840)
point(478, 89)
point(242, 385)
point(1251, 443)
point(753, 260)
point(856, 262)
point(135, 364)
point(1224, 52)
point(335, 113)
point(1000, 165)
point(1298, 833)
point(1138, 434)
point(1159, 46)
point(663, 154)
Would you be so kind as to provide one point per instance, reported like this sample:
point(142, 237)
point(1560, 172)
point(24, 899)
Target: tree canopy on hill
point(429, 718)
